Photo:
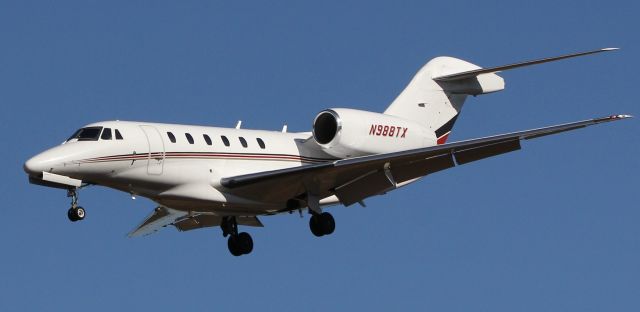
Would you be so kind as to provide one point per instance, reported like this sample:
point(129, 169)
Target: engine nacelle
point(345, 133)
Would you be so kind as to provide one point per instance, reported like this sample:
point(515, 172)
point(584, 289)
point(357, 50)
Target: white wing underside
point(183, 221)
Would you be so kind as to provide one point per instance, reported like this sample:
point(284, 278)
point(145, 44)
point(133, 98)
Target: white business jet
point(207, 176)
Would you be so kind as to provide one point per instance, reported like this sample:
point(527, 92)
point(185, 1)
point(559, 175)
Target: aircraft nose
point(34, 166)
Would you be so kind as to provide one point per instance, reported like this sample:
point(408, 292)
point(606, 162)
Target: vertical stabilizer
point(436, 104)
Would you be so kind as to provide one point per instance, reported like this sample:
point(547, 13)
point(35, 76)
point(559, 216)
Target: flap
point(202, 221)
point(477, 153)
point(370, 184)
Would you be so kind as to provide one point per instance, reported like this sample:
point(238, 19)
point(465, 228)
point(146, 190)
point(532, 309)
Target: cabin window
point(189, 138)
point(225, 140)
point(106, 134)
point(243, 142)
point(261, 143)
point(207, 139)
point(87, 134)
point(172, 137)
point(118, 135)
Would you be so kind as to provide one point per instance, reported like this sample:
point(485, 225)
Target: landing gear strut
point(75, 213)
point(322, 224)
point(238, 243)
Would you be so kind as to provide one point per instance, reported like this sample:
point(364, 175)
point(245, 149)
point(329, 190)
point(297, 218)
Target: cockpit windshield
point(86, 134)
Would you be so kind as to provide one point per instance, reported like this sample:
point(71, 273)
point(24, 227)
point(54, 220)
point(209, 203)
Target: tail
point(436, 94)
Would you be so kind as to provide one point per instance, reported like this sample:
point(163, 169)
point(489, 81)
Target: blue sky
point(553, 227)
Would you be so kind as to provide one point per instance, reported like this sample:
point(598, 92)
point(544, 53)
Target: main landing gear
point(75, 213)
point(322, 224)
point(238, 243)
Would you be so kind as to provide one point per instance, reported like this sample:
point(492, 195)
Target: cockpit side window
point(118, 135)
point(106, 134)
point(87, 134)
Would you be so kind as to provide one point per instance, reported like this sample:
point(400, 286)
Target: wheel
point(314, 226)
point(80, 213)
point(245, 242)
point(71, 214)
point(76, 214)
point(327, 223)
point(233, 245)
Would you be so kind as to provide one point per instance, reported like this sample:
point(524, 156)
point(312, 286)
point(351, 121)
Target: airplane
point(228, 177)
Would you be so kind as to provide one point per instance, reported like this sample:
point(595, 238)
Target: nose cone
point(45, 161)
point(57, 160)
point(34, 166)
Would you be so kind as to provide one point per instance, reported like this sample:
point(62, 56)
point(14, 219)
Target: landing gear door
point(155, 162)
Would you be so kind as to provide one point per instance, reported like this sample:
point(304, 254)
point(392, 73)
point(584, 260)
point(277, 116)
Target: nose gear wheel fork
point(74, 197)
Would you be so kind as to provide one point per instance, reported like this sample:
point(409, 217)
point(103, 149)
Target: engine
point(343, 133)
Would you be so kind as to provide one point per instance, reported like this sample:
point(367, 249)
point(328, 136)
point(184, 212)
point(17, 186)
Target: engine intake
point(326, 126)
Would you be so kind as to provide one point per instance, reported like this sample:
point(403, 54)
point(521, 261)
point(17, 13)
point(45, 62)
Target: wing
point(183, 221)
point(354, 179)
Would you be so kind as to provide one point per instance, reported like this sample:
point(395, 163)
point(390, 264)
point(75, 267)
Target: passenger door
point(155, 163)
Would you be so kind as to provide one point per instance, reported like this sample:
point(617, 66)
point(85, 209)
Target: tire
point(245, 242)
point(328, 224)
point(314, 226)
point(71, 214)
point(232, 243)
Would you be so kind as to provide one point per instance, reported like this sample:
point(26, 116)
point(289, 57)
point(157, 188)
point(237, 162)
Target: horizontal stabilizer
point(476, 72)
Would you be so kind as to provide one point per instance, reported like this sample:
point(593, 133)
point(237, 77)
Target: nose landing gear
point(75, 213)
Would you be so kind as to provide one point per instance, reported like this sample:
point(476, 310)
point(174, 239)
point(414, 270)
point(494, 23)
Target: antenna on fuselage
point(239, 124)
point(284, 128)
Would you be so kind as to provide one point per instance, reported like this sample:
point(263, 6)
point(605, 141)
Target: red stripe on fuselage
point(205, 155)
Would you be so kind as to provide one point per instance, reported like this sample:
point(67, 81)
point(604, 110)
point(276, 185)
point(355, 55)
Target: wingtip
point(622, 116)
point(609, 49)
point(612, 118)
